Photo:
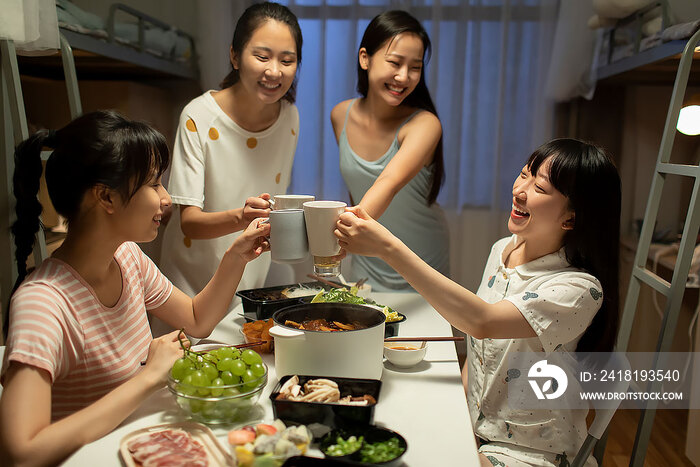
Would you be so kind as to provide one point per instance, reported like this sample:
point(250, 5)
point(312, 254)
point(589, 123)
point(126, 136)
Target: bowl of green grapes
point(218, 384)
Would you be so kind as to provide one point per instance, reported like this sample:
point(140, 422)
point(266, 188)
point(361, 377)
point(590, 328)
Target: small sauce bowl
point(405, 354)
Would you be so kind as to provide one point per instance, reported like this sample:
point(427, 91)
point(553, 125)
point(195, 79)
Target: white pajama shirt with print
point(559, 302)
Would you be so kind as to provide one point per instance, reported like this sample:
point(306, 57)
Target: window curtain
point(31, 24)
point(486, 74)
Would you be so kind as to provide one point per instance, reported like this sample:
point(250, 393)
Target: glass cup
point(326, 266)
point(321, 218)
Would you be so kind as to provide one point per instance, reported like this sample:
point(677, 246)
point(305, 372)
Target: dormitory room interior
point(502, 78)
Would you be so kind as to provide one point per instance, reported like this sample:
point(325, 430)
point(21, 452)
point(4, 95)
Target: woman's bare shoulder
point(338, 116)
point(338, 112)
point(423, 121)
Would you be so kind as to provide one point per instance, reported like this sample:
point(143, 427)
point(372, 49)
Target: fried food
point(257, 331)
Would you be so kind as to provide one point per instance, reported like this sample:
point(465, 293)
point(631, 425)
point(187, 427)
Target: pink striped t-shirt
point(58, 324)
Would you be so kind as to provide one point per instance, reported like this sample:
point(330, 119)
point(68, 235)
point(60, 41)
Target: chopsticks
point(245, 346)
point(237, 346)
point(427, 339)
point(321, 279)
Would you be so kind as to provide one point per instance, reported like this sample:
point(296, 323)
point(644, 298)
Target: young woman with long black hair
point(390, 144)
point(231, 145)
point(78, 327)
point(550, 287)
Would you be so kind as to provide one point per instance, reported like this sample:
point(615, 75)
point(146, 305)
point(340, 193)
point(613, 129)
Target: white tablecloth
point(426, 403)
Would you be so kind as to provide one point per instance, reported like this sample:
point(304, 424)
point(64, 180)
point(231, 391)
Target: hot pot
point(349, 354)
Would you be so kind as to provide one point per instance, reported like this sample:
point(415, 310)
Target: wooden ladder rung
point(678, 169)
point(660, 285)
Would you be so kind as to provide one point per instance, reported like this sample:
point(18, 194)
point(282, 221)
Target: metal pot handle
point(286, 333)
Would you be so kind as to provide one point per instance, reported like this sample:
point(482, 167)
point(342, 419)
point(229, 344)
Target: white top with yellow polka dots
point(216, 166)
point(559, 302)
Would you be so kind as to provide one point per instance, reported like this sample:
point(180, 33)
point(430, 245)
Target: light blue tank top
point(421, 227)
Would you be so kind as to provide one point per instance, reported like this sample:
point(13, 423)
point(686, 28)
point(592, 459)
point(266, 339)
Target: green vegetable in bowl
point(338, 295)
point(381, 451)
point(344, 447)
point(350, 296)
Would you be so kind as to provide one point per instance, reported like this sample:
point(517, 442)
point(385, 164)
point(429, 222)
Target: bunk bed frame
point(663, 57)
point(638, 57)
point(662, 52)
point(96, 56)
point(99, 56)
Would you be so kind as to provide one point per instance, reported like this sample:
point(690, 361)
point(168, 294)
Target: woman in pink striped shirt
point(78, 326)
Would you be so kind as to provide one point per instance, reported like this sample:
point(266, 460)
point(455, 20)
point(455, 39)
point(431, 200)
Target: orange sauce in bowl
point(404, 347)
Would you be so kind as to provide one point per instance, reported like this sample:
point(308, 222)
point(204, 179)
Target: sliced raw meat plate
point(167, 448)
point(178, 459)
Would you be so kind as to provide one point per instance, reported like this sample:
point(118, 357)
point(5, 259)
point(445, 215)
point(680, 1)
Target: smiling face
point(139, 218)
point(394, 70)
point(268, 63)
point(539, 212)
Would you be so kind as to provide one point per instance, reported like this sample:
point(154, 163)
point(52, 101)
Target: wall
point(645, 115)
point(46, 103)
point(628, 121)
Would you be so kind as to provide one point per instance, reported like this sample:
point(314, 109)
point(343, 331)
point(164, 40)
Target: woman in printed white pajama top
point(550, 287)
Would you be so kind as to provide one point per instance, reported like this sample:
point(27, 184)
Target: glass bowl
point(218, 404)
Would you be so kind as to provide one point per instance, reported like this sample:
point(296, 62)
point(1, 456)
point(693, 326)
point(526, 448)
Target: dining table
point(425, 403)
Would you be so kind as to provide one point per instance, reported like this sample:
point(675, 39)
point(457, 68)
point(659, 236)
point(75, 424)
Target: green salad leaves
point(350, 296)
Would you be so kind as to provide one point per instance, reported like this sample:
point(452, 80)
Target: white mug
point(288, 241)
point(321, 218)
point(280, 202)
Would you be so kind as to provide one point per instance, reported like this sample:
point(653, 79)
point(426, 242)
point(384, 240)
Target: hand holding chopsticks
point(237, 346)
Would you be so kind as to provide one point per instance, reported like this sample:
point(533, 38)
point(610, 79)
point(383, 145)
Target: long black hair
point(588, 178)
point(98, 148)
point(252, 18)
point(385, 27)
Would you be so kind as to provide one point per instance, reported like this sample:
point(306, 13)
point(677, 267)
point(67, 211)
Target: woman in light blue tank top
point(390, 144)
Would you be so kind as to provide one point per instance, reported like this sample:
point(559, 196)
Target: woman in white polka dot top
point(232, 145)
point(551, 287)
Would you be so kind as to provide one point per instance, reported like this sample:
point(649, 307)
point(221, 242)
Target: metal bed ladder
point(14, 130)
point(675, 289)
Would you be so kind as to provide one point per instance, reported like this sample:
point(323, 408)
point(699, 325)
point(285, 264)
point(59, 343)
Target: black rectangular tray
point(330, 415)
point(257, 306)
